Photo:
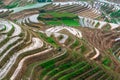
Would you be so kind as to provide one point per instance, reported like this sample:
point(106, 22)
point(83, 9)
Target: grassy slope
point(60, 18)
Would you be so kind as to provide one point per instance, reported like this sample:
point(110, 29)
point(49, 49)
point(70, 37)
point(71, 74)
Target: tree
point(41, 0)
point(44, 0)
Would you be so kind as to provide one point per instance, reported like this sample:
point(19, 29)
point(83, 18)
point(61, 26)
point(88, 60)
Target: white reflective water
point(30, 6)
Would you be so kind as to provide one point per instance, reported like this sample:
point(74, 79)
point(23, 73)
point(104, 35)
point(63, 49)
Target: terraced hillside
point(58, 41)
point(16, 3)
point(82, 9)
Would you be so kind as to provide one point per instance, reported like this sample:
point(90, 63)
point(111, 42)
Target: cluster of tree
point(44, 0)
point(109, 14)
point(1, 2)
point(107, 8)
point(115, 14)
point(12, 5)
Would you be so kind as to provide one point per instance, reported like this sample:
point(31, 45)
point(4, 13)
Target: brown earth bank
point(101, 39)
point(6, 2)
point(23, 13)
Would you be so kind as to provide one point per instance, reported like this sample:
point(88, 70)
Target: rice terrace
point(59, 39)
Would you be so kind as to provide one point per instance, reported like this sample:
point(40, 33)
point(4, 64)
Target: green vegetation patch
point(76, 43)
point(71, 22)
point(48, 39)
point(59, 18)
point(62, 14)
point(83, 48)
point(115, 14)
point(106, 61)
point(12, 5)
point(115, 17)
point(54, 23)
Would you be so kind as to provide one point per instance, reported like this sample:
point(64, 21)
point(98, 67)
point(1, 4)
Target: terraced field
point(33, 49)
